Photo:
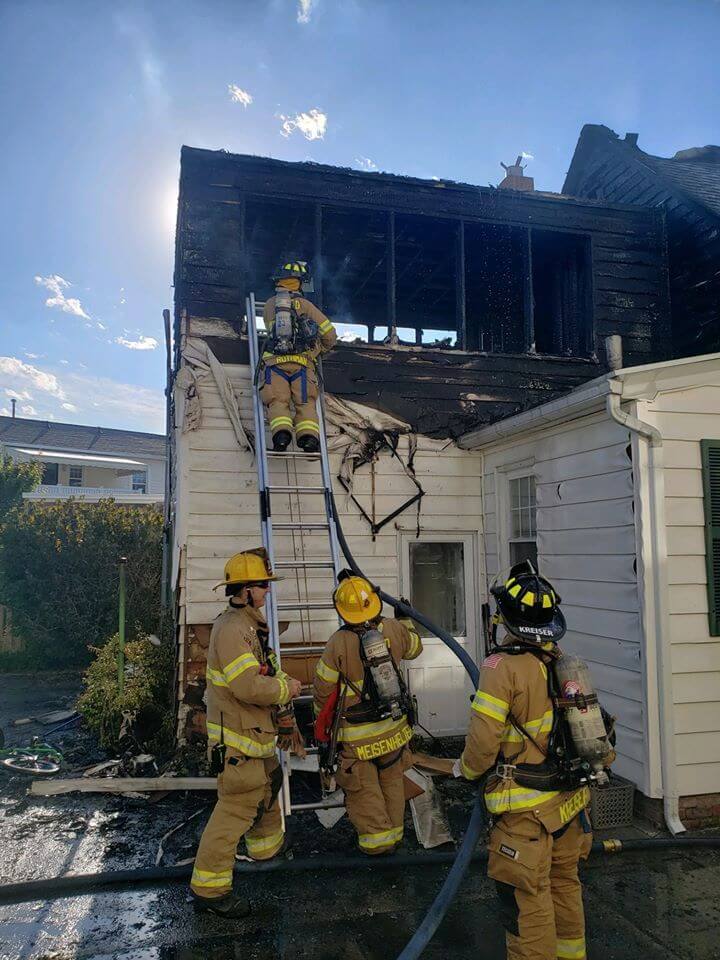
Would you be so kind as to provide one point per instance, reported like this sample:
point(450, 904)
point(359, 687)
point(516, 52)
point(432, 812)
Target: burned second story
point(457, 305)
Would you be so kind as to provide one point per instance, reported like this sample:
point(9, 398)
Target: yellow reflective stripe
point(264, 844)
point(533, 727)
point(280, 422)
point(510, 799)
point(284, 689)
point(287, 358)
point(490, 706)
point(326, 326)
point(574, 805)
point(307, 425)
point(467, 771)
point(240, 665)
point(209, 879)
point(571, 949)
point(363, 731)
point(528, 598)
point(385, 838)
point(514, 591)
point(251, 748)
point(216, 677)
point(415, 644)
point(326, 673)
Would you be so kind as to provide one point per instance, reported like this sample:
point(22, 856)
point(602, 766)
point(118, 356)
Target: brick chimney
point(515, 178)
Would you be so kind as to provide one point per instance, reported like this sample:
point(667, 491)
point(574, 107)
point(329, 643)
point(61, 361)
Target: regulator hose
point(55, 888)
point(478, 819)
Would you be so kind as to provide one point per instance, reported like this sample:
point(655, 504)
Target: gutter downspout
point(656, 490)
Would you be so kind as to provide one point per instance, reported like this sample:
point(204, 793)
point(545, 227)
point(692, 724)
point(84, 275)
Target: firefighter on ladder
point(248, 700)
point(539, 835)
point(297, 334)
point(358, 674)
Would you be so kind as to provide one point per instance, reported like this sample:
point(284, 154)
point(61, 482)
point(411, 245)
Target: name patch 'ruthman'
point(509, 852)
point(381, 747)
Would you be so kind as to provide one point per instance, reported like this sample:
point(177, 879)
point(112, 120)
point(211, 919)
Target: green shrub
point(147, 693)
point(59, 575)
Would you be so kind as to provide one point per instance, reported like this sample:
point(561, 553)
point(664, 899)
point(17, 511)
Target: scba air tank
point(383, 672)
point(583, 714)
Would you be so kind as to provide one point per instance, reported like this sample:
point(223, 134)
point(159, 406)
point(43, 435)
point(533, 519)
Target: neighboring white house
point(605, 487)
point(88, 463)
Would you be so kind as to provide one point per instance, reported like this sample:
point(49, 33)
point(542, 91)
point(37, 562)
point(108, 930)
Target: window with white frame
point(75, 478)
point(437, 584)
point(139, 481)
point(522, 526)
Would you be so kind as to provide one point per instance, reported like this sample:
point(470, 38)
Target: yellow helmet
point(250, 566)
point(356, 601)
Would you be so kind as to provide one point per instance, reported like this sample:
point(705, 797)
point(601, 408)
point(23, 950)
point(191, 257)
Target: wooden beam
point(391, 281)
point(317, 258)
point(50, 788)
point(528, 299)
point(460, 298)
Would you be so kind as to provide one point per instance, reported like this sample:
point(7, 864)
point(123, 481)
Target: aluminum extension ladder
point(267, 489)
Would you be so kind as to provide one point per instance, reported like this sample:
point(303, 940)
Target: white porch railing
point(61, 491)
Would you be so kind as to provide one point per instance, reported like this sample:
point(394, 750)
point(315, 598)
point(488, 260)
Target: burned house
point(472, 420)
point(686, 187)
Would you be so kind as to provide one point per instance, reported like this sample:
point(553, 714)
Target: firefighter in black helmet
point(540, 827)
point(297, 334)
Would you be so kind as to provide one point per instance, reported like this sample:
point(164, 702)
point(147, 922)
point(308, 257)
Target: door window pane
point(50, 474)
point(437, 585)
point(76, 477)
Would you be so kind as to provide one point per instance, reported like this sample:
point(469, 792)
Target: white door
point(438, 576)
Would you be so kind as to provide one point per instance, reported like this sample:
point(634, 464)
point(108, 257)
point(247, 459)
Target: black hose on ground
point(55, 888)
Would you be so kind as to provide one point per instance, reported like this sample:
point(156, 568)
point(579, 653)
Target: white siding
point(217, 510)
point(685, 417)
point(586, 546)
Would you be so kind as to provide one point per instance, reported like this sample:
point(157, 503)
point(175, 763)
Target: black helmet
point(529, 606)
point(292, 270)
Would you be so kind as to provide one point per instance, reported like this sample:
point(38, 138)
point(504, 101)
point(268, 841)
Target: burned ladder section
point(268, 490)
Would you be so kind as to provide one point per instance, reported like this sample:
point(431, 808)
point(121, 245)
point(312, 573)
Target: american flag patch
point(492, 661)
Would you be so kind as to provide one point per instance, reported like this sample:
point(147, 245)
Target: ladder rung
point(305, 605)
point(294, 453)
point(277, 488)
point(318, 805)
point(313, 564)
point(301, 525)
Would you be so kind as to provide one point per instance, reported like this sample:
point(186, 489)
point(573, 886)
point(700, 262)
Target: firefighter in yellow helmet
point(297, 334)
point(540, 826)
point(359, 668)
point(245, 692)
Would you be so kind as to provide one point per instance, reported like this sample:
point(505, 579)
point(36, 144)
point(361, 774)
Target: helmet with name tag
point(529, 607)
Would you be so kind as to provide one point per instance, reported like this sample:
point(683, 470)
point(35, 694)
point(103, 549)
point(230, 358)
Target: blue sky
point(96, 99)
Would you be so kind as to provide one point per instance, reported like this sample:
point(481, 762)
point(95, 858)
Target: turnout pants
point(247, 806)
point(290, 383)
point(375, 799)
point(539, 892)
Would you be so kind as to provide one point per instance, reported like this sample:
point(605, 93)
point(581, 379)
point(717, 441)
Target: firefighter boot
point(308, 443)
point(281, 440)
point(231, 906)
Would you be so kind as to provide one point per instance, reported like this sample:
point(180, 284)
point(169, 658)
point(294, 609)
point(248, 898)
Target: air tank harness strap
point(300, 374)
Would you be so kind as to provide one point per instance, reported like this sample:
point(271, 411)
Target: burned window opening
point(562, 312)
point(495, 269)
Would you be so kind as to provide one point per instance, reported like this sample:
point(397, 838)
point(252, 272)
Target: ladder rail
point(265, 490)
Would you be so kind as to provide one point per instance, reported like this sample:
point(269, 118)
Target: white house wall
point(587, 548)
point(685, 417)
point(217, 512)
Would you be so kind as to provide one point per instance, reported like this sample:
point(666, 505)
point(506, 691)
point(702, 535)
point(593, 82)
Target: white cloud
point(527, 156)
point(304, 11)
point(65, 363)
point(57, 286)
point(29, 410)
point(237, 95)
point(17, 376)
point(69, 406)
point(100, 326)
point(311, 124)
point(142, 343)
point(18, 394)
point(32, 356)
point(365, 163)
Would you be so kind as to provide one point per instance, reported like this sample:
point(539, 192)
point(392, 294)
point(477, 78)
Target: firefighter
point(297, 334)
point(245, 693)
point(360, 663)
point(539, 835)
